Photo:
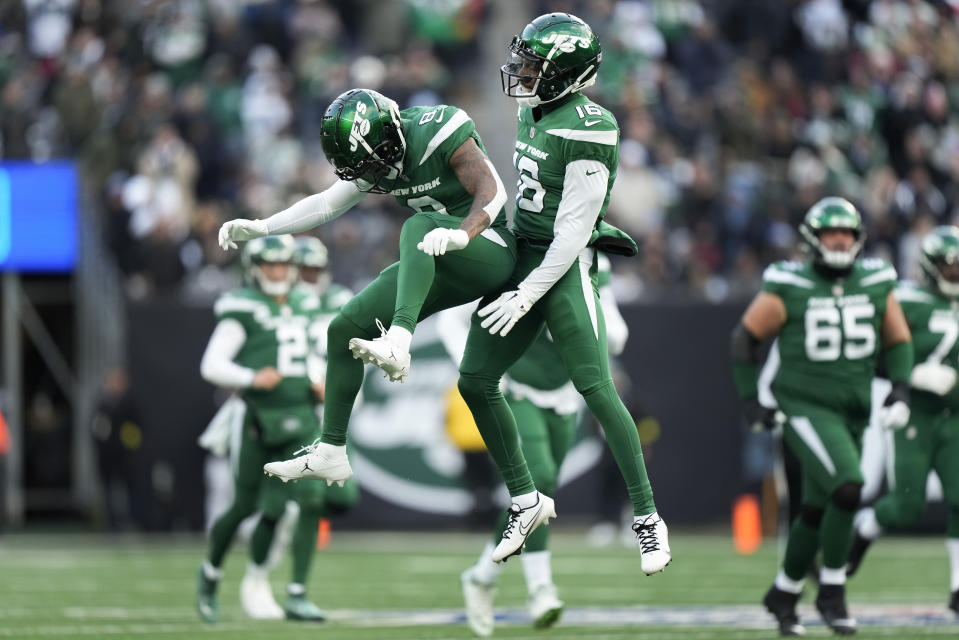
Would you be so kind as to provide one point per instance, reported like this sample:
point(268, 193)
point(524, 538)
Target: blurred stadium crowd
point(736, 115)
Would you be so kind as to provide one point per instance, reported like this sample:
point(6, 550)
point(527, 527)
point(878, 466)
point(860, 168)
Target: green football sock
point(261, 539)
point(835, 536)
point(498, 428)
point(303, 547)
point(221, 535)
point(801, 549)
point(623, 441)
point(343, 381)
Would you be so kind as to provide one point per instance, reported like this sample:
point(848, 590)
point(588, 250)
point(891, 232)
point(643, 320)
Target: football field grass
point(406, 585)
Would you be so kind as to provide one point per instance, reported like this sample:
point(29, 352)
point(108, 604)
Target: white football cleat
point(393, 359)
point(256, 596)
point(521, 523)
point(653, 542)
point(544, 606)
point(321, 460)
point(479, 604)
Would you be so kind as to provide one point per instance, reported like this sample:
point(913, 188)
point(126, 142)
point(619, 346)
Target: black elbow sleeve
point(744, 346)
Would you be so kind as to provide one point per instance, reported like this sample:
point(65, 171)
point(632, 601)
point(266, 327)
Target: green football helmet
point(832, 213)
point(269, 249)
point(312, 259)
point(557, 54)
point(362, 137)
point(939, 254)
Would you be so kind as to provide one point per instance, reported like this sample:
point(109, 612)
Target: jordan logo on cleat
point(306, 466)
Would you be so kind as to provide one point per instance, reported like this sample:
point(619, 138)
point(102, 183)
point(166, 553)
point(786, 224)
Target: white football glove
point(438, 241)
point(241, 230)
point(894, 413)
point(504, 312)
point(933, 377)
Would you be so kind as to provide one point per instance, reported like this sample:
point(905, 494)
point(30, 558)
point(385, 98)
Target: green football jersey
point(934, 322)
point(428, 182)
point(276, 336)
point(577, 130)
point(831, 340)
point(322, 309)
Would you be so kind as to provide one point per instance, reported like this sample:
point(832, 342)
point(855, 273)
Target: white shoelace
point(310, 448)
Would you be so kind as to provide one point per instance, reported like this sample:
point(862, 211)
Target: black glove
point(759, 417)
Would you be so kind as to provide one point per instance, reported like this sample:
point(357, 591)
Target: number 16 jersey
point(832, 337)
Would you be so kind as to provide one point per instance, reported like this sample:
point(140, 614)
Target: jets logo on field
point(413, 465)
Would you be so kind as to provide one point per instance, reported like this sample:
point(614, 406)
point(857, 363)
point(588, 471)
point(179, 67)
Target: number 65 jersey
point(831, 340)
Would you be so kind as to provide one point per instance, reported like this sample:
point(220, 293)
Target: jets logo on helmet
point(556, 55)
point(939, 260)
point(273, 250)
point(832, 213)
point(362, 137)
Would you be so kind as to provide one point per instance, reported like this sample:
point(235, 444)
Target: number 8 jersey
point(428, 183)
point(830, 342)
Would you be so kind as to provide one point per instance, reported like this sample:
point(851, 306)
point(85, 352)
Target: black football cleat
point(782, 605)
point(831, 604)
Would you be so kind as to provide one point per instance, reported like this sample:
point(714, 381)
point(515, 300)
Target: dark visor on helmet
point(521, 74)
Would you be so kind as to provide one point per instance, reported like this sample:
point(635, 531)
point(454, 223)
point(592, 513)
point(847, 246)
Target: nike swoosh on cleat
point(526, 532)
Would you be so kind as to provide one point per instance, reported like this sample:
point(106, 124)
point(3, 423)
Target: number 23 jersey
point(832, 337)
point(276, 336)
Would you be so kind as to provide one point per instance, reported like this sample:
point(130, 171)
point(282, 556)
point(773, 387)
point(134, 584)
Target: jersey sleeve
point(912, 299)
point(448, 128)
point(779, 277)
point(236, 307)
point(590, 138)
point(879, 275)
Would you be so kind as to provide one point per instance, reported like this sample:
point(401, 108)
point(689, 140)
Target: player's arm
point(218, 367)
point(897, 344)
point(305, 214)
point(584, 191)
point(762, 321)
point(478, 176)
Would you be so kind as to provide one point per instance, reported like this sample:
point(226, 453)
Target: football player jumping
point(931, 440)
point(832, 315)
point(455, 247)
point(566, 153)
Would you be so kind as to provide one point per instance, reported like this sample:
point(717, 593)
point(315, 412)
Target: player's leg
point(829, 457)
point(328, 459)
point(544, 449)
point(454, 278)
point(575, 320)
point(486, 358)
point(462, 276)
point(247, 461)
point(256, 594)
point(944, 462)
point(912, 456)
